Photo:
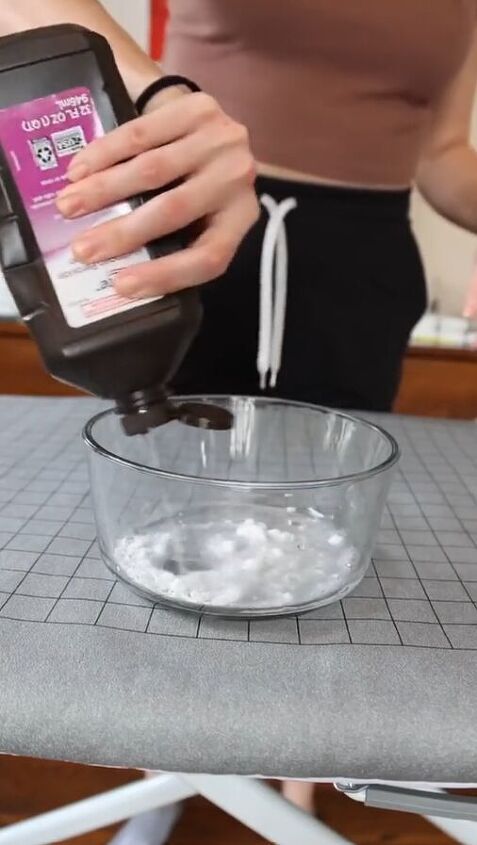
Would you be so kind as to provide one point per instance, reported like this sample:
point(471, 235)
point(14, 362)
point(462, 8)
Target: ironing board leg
point(461, 831)
point(263, 810)
point(100, 811)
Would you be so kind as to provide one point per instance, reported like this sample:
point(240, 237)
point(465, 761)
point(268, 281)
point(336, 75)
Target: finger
point(205, 260)
point(193, 266)
point(149, 171)
point(173, 120)
point(203, 194)
point(470, 308)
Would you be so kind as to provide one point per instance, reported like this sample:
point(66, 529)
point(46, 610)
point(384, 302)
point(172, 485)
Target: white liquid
point(241, 562)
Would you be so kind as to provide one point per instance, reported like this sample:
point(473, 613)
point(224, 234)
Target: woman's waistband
point(337, 199)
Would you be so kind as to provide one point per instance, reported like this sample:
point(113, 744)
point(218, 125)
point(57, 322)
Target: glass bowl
point(277, 515)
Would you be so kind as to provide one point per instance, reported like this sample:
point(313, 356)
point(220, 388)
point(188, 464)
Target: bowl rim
point(306, 484)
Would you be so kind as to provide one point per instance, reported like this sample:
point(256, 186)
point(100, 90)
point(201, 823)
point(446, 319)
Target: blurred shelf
point(447, 353)
point(22, 371)
point(437, 382)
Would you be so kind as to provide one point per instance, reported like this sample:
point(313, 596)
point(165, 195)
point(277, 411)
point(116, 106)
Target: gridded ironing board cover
point(383, 685)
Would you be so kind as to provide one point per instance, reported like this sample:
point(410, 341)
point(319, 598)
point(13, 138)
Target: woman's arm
point(137, 69)
point(447, 173)
point(183, 137)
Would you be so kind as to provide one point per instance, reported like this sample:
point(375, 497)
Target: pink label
point(39, 139)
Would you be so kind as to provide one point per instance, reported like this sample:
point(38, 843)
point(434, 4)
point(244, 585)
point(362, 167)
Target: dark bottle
point(59, 89)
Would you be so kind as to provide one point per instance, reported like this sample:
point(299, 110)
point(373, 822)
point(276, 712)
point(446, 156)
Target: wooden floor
point(28, 787)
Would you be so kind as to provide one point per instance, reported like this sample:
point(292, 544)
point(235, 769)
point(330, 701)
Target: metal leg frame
point(250, 801)
point(264, 810)
point(462, 831)
point(455, 812)
point(100, 811)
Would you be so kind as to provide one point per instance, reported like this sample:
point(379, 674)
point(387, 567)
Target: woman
point(347, 104)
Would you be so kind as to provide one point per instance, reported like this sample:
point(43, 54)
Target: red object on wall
point(159, 16)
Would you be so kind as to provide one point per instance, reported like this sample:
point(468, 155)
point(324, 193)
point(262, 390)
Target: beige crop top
point(340, 89)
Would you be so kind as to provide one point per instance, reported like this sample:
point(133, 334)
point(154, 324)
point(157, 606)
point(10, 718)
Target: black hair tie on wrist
point(159, 85)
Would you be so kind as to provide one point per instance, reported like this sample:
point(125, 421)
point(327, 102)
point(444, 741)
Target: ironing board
point(380, 687)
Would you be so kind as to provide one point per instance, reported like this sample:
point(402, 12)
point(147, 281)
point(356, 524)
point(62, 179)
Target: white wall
point(449, 253)
point(449, 256)
point(133, 15)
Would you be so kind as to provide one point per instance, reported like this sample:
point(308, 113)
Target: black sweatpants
point(356, 288)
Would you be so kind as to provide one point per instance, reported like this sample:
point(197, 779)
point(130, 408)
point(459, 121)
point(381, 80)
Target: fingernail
point(85, 249)
point(76, 172)
point(127, 286)
point(70, 205)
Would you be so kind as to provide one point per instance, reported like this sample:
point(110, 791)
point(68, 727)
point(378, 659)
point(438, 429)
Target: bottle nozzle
point(147, 409)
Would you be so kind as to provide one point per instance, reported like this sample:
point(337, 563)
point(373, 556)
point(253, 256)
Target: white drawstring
point(273, 290)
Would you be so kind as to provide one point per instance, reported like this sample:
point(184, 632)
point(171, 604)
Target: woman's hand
point(187, 137)
point(470, 307)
